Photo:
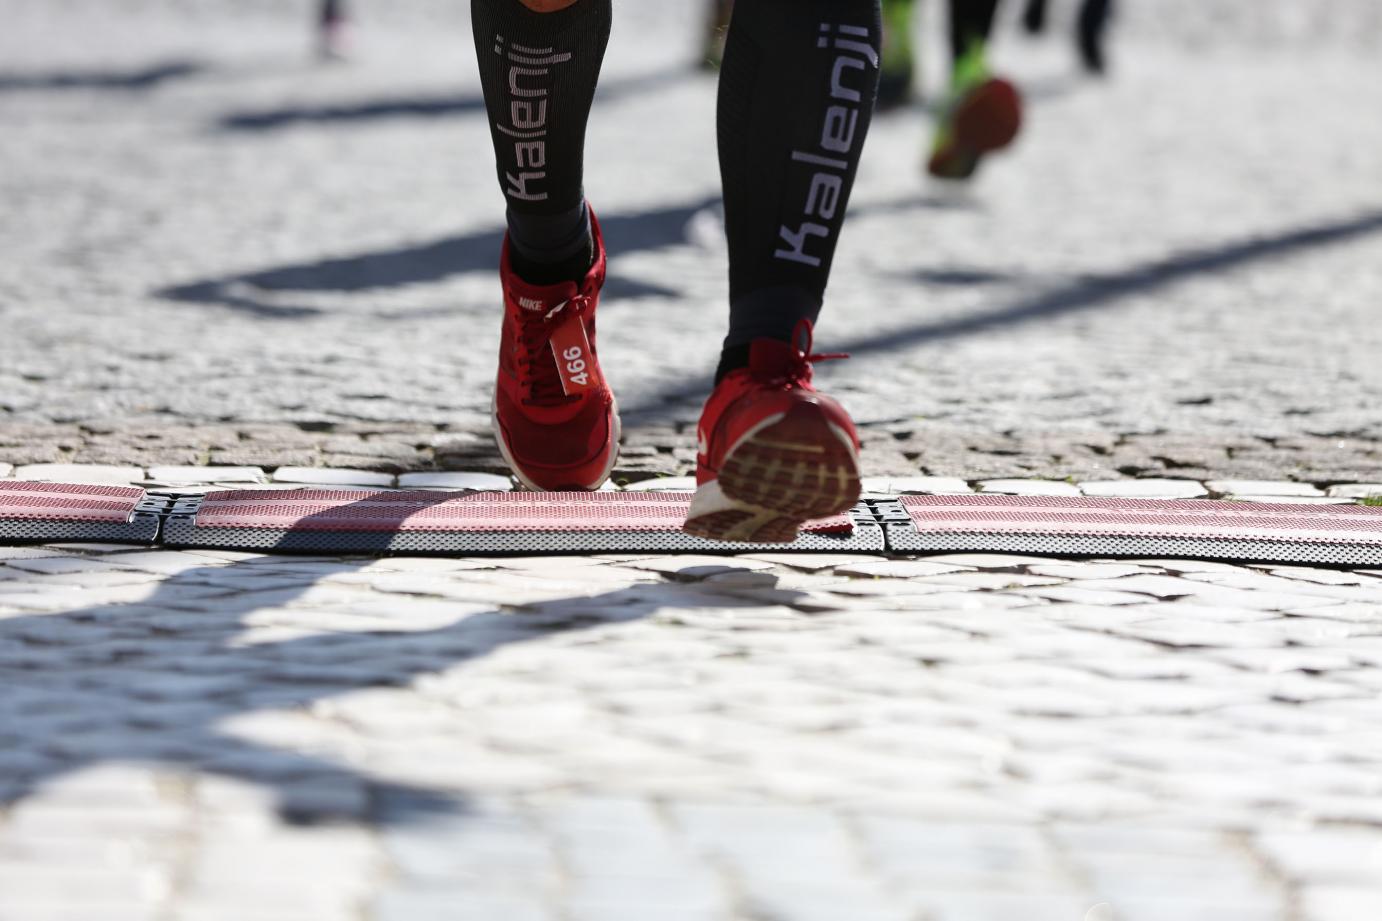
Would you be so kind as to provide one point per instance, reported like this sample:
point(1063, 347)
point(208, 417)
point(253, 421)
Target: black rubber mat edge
point(180, 530)
point(903, 537)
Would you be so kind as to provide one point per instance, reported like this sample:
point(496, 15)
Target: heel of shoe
point(802, 466)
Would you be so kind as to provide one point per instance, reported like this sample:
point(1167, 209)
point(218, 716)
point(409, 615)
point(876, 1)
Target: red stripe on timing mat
point(1176, 518)
point(418, 510)
point(24, 500)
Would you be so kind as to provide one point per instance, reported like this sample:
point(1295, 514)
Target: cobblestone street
point(226, 263)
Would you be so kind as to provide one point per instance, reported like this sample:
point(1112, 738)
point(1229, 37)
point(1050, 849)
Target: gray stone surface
point(216, 735)
point(1149, 488)
point(219, 253)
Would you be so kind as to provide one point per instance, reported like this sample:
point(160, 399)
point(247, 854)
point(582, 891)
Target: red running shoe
point(773, 453)
point(984, 118)
point(554, 416)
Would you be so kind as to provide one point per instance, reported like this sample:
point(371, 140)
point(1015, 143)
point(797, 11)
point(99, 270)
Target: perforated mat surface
point(486, 522)
point(1339, 535)
point(31, 512)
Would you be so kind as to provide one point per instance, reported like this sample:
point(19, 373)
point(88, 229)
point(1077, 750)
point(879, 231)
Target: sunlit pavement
point(219, 252)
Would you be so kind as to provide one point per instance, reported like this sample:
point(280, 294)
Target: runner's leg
point(538, 69)
point(796, 95)
point(554, 415)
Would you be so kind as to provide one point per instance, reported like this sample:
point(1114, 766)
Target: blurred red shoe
point(554, 416)
point(984, 118)
point(772, 452)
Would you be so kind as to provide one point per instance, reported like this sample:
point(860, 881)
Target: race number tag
point(571, 349)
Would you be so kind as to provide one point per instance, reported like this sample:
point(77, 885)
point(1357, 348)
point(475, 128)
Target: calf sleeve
point(796, 95)
point(538, 72)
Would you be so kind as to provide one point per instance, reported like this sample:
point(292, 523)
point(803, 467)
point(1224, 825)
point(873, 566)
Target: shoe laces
point(796, 369)
point(537, 368)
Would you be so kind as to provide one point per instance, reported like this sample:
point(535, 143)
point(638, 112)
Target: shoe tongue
point(771, 358)
point(540, 299)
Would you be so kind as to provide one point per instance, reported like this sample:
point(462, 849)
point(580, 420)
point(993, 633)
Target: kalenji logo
point(529, 86)
point(527, 303)
point(838, 136)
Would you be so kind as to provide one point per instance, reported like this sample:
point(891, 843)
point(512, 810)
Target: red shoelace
point(537, 368)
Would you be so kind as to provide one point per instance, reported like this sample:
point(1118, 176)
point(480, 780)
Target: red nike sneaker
point(772, 452)
point(554, 416)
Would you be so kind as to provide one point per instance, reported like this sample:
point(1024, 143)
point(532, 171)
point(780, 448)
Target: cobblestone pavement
point(193, 735)
point(199, 735)
point(216, 253)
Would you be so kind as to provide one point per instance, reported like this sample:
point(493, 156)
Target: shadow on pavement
point(143, 78)
point(263, 293)
point(1097, 291)
point(611, 89)
point(153, 680)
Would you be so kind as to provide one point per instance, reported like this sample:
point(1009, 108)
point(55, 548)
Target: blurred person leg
point(331, 30)
point(1034, 17)
point(1089, 34)
point(984, 112)
point(796, 94)
point(899, 54)
point(554, 415)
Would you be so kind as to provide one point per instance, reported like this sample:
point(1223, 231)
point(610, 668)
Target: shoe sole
point(987, 121)
point(615, 431)
point(792, 468)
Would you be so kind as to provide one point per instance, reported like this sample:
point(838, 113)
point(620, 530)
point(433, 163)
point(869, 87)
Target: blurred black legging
point(970, 21)
point(331, 11)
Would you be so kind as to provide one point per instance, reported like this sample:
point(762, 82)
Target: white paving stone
point(915, 485)
point(1029, 487)
point(664, 484)
point(87, 474)
point(1262, 488)
point(1144, 489)
point(1356, 490)
point(332, 476)
point(177, 476)
point(491, 482)
point(6, 469)
point(902, 569)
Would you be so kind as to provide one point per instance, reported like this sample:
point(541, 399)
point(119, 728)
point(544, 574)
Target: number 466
point(575, 365)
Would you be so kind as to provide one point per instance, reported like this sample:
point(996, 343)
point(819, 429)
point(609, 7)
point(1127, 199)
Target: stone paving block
point(1089, 570)
point(1030, 487)
point(664, 484)
point(456, 480)
point(898, 569)
point(1324, 856)
point(693, 568)
point(915, 485)
point(6, 469)
point(1262, 488)
point(459, 903)
point(1262, 907)
point(1320, 576)
point(1355, 490)
point(96, 474)
point(185, 475)
point(1144, 489)
point(1339, 903)
point(332, 476)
